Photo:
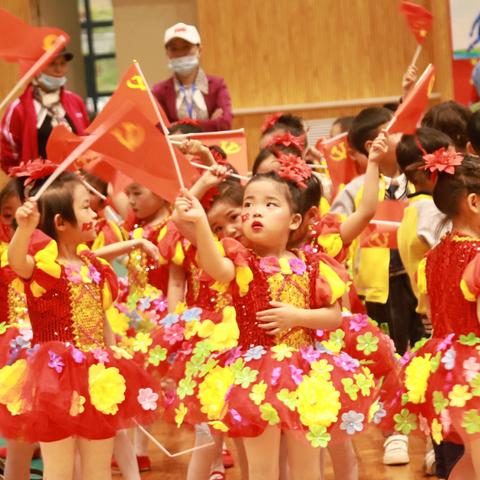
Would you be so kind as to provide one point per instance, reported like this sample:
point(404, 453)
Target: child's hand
point(281, 317)
point(214, 176)
point(313, 155)
point(27, 216)
point(149, 248)
point(409, 79)
point(379, 147)
point(188, 208)
point(193, 147)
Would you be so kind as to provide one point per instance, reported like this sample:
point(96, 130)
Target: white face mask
point(183, 65)
point(51, 83)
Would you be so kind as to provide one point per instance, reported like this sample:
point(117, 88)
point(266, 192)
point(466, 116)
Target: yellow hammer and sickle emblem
point(378, 239)
point(136, 81)
point(130, 135)
point(338, 152)
point(48, 41)
point(230, 147)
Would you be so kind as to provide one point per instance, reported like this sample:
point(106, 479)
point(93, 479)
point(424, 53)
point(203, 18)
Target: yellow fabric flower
point(180, 413)
point(318, 401)
point(374, 408)
point(76, 405)
point(257, 395)
point(219, 287)
point(218, 425)
point(213, 390)
point(180, 308)
point(142, 342)
point(459, 395)
point(416, 378)
point(106, 387)
point(17, 407)
point(12, 380)
point(437, 431)
point(118, 321)
point(282, 351)
point(225, 334)
point(243, 278)
point(322, 369)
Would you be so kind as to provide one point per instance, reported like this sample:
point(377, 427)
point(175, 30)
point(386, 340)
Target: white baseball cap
point(188, 33)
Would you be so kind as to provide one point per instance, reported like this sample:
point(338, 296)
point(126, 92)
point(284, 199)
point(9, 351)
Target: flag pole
point(162, 123)
point(417, 53)
point(60, 41)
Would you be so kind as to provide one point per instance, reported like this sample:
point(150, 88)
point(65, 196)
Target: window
point(98, 48)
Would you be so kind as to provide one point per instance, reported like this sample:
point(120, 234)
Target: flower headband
point(442, 160)
point(287, 140)
point(270, 121)
point(218, 156)
point(294, 169)
point(33, 170)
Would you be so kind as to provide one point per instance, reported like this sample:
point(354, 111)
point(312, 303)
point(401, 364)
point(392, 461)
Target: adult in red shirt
point(45, 103)
point(190, 92)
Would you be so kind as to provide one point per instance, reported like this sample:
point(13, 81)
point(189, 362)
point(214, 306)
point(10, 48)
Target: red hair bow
point(294, 169)
point(442, 160)
point(271, 121)
point(33, 170)
point(218, 156)
point(287, 140)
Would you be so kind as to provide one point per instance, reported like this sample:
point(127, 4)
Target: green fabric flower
point(351, 388)
point(185, 387)
point(435, 362)
point(439, 402)
point(471, 421)
point(245, 377)
point(288, 398)
point(318, 436)
point(367, 343)
point(471, 339)
point(3, 327)
point(336, 338)
point(405, 422)
point(207, 367)
point(269, 414)
point(475, 385)
point(157, 355)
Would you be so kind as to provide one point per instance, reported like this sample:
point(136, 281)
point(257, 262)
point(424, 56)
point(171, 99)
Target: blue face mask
point(51, 83)
point(183, 65)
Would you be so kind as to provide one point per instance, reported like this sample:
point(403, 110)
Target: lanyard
point(188, 102)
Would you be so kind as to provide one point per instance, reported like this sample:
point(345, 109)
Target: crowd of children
point(255, 310)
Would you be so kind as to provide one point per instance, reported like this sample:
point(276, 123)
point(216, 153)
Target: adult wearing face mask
point(45, 103)
point(190, 93)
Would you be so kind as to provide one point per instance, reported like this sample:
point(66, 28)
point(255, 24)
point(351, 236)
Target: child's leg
point(217, 465)
point(96, 458)
point(19, 457)
point(303, 459)
point(201, 460)
point(125, 456)
point(284, 474)
point(141, 442)
point(344, 460)
point(242, 458)
point(58, 459)
point(263, 455)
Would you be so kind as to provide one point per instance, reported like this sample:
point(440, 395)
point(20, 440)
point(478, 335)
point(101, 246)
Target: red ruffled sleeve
point(172, 244)
point(325, 233)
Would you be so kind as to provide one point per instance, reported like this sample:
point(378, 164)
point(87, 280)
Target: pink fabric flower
point(270, 265)
point(147, 398)
point(297, 265)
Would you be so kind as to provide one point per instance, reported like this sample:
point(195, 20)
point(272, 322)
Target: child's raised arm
point(117, 249)
point(189, 209)
point(27, 218)
point(354, 225)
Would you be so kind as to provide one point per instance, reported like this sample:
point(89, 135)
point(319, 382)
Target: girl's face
point(144, 203)
point(225, 220)
point(8, 209)
point(84, 230)
point(267, 216)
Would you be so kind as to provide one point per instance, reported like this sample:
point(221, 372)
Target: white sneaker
point(429, 465)
point(396, 450)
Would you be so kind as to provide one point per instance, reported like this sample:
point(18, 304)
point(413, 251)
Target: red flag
point(382, 230)
point(410, 111)
point(418, 18)
point(138, 149)
point(341, 166)
point(24, 43)
point(232, 142)
point(131, 88)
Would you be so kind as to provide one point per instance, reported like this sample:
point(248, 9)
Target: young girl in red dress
point(73, 389)
point(259, 388)
point(439, 392)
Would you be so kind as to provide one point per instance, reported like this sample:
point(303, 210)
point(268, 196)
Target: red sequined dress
point(439, 388)
point(69, 383)
point(240, 380)
point(358, 335)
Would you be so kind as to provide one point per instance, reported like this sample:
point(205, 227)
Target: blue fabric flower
point(352, 422)
point(169, 320)
point(192, 314)
point(254, 353)
point(449, 358)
